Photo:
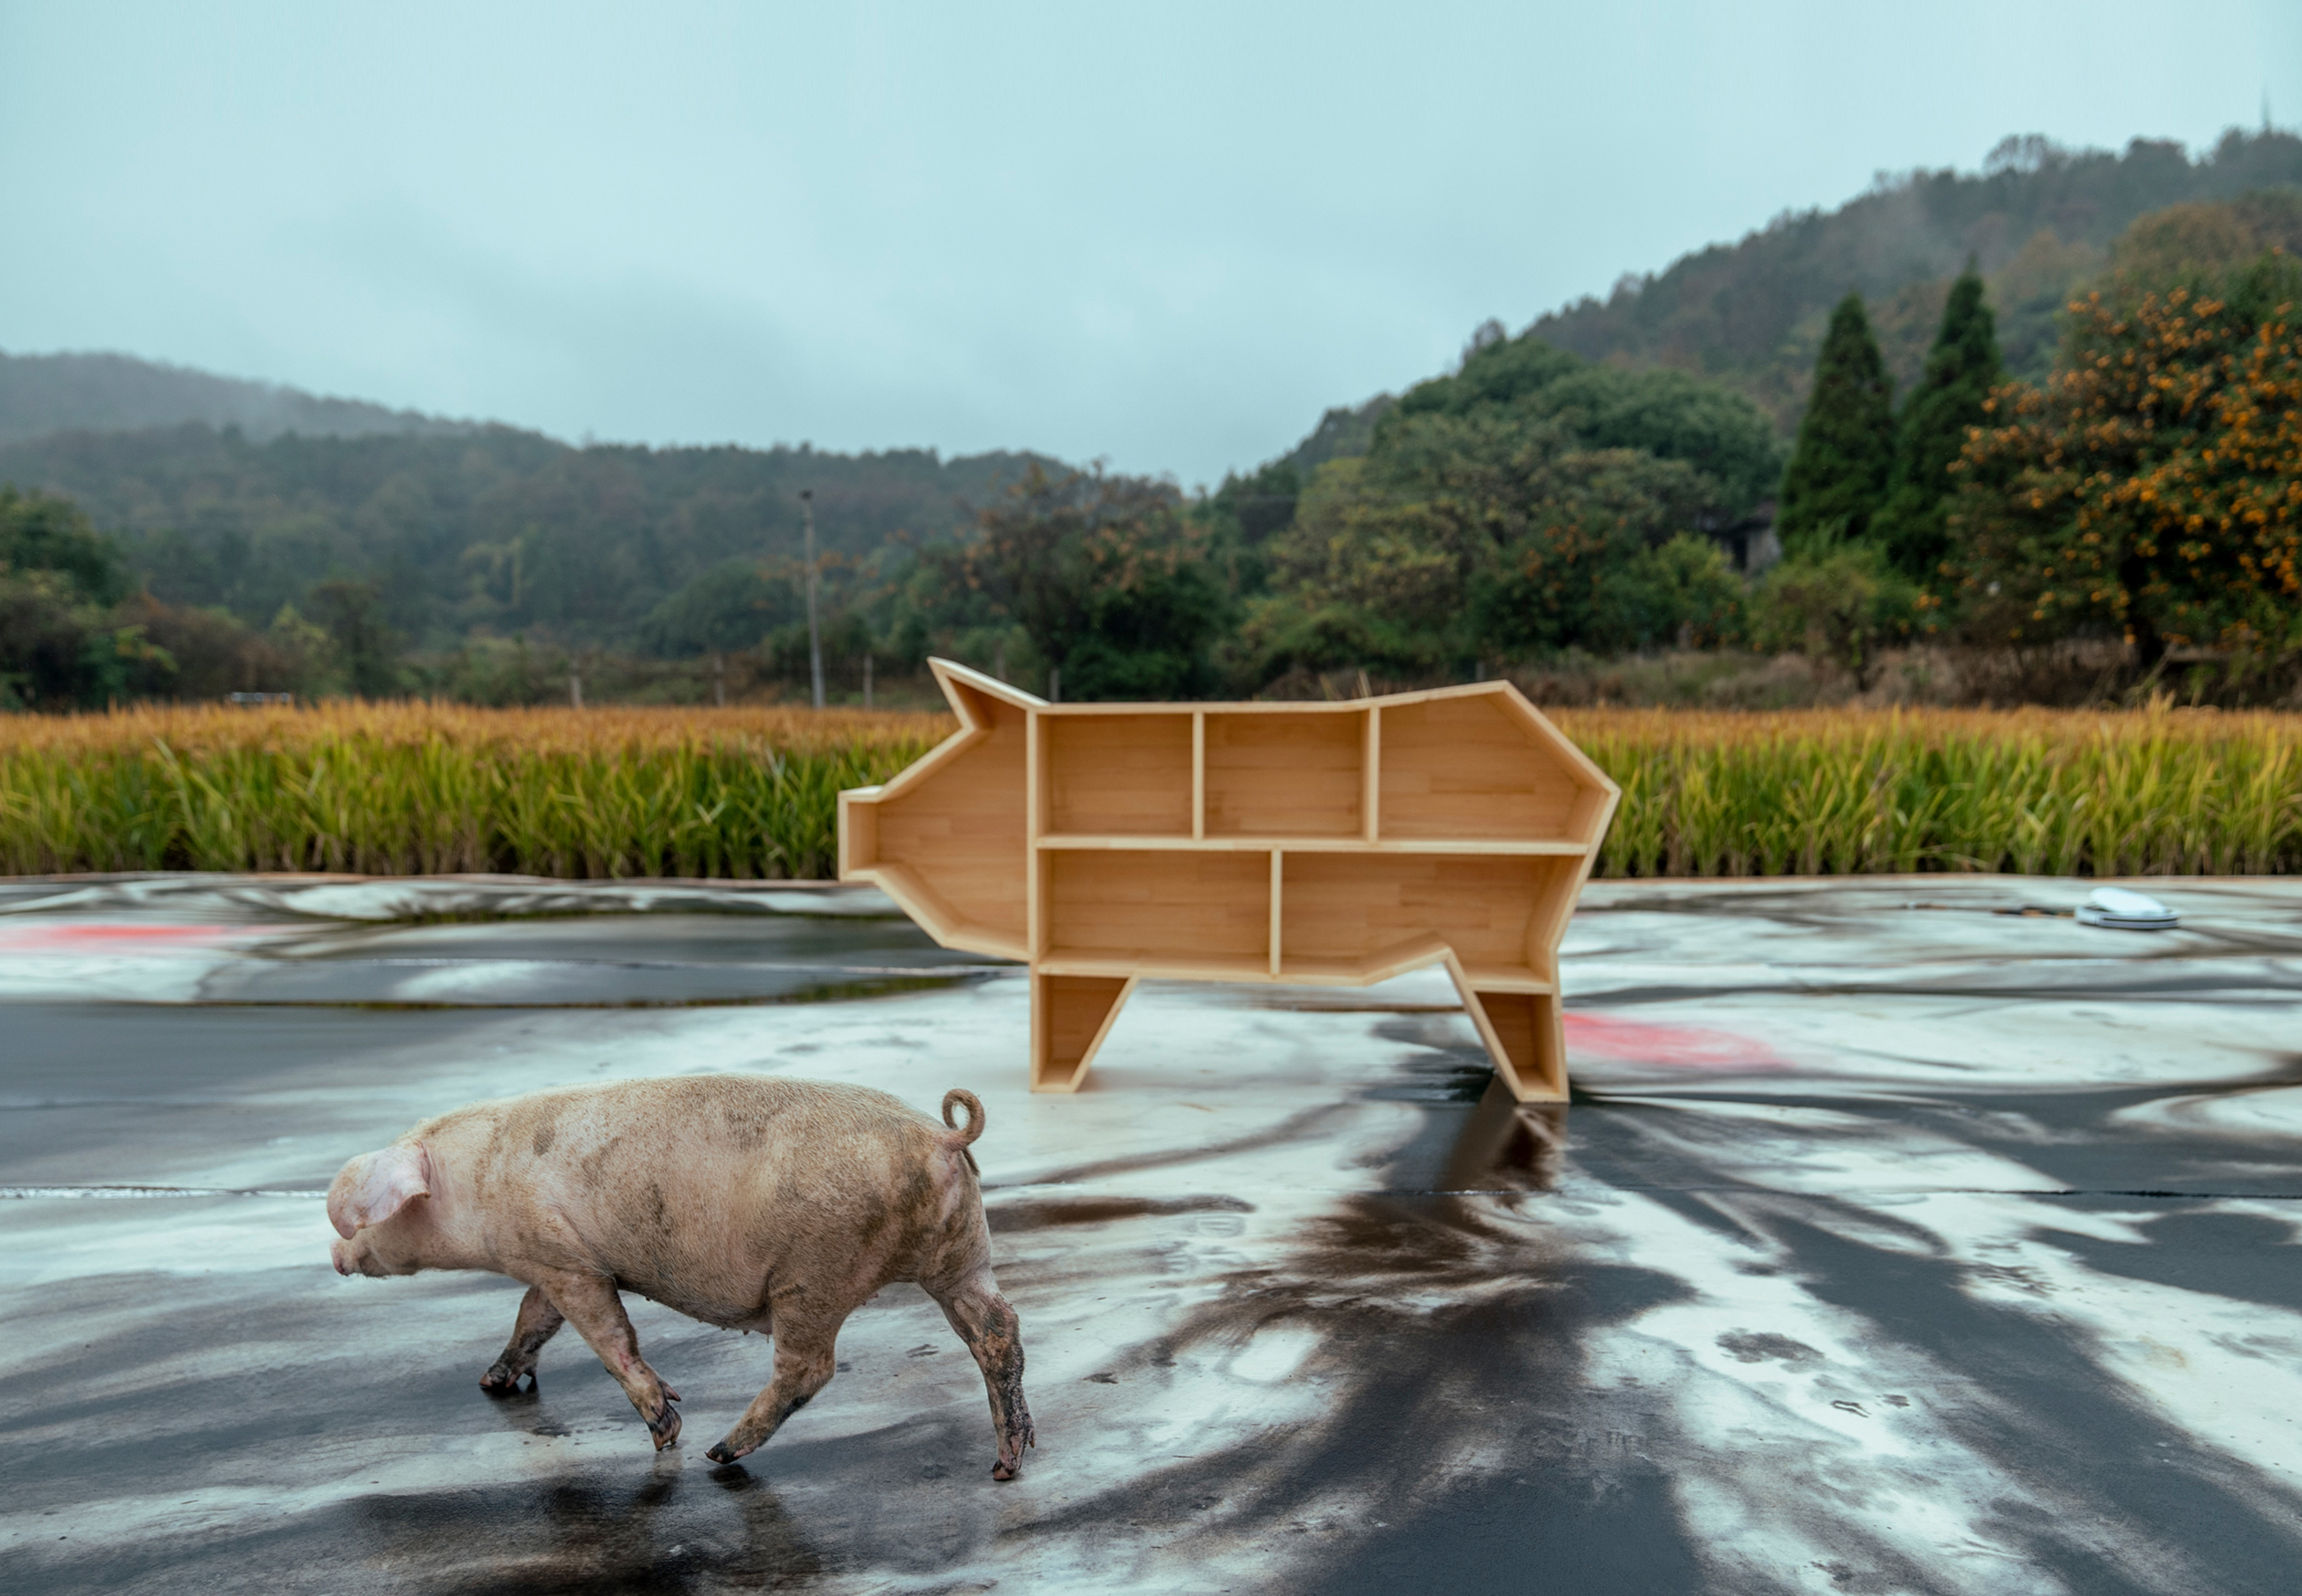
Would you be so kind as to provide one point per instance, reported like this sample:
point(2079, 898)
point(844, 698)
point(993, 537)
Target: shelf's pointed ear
point(960, 684)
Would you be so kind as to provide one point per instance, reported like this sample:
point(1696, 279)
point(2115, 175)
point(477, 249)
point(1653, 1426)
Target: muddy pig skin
point(755, 1203)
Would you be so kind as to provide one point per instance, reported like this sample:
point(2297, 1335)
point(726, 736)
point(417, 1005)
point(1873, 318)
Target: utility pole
point(814, 637)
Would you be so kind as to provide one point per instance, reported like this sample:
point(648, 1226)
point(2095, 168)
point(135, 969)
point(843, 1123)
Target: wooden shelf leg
point(1523, 1035)
point(1070, 1015)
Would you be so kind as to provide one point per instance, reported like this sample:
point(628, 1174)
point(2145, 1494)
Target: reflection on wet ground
point(1891, 1243)
point(440, 945)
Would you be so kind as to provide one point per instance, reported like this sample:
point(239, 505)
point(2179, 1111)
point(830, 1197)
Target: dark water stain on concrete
point(1303, 1125)
point(1552, 1526)
point(2149, 1508)
point(674, 1531)
point(2085, 1137)
point(597, 1534)
point(2143, 1504)
point(1038, 1214)
point(118, 1092)
point(1472, 1135)
point(911, 1497)
point(2245, 1257)
point(1407, 1391)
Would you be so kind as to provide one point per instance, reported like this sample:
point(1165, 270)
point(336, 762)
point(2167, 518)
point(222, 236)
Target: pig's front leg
point(591, 1304)
point(539, 1320)
point(989, 1327)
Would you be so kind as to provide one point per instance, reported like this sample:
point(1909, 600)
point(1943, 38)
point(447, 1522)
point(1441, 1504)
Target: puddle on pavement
point(494, 987)
point(611, 960)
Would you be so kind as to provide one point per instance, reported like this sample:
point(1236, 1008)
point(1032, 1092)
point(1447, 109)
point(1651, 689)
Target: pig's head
point(370, 1207)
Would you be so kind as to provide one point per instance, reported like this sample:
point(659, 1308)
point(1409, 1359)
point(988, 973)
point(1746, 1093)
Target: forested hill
point(496, 530)
point(117, 393)
point(2038, 220)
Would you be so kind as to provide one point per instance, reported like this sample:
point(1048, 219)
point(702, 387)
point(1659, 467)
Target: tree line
point(2148, 492)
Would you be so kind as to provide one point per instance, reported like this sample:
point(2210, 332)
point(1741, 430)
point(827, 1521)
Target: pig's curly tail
point(965, 1099)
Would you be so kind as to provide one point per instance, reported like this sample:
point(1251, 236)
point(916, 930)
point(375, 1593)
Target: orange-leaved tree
point(2153, 488)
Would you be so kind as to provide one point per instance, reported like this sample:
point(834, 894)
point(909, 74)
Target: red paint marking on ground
point(1677, 1047)
point(89, 936)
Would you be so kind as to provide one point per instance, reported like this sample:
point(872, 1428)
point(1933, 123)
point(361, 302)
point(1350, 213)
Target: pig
point(754, 1203)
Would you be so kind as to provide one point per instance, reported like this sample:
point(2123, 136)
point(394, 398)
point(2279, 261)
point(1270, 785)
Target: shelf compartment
point(1070, 1016)
point(1364, 970)
point(1298, 774)
point(1378, 907)
point(1118, 773)
point(1113, 908)
point(1523, 1033)
point(1465, 768)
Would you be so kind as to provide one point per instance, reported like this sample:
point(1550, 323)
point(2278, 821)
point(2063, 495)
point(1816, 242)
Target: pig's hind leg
point(539, 1320)
point(805, 1358)
point(992, 1332)
point(592, 1305)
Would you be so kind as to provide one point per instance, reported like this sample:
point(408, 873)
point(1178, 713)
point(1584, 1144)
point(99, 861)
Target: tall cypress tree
point(1962, 369)
point(1846, 450)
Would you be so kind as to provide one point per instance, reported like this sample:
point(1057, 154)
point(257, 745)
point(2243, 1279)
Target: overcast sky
point(1168, 236)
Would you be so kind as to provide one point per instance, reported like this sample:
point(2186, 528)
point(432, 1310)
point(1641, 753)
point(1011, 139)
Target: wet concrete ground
point(1893, 1243)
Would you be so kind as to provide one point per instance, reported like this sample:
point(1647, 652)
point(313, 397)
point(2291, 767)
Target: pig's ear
point(375, 1185)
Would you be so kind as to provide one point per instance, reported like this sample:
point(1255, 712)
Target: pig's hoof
point(721, 1452)
point(665, 1426)
point(500, 1382)
point(1005, 1470)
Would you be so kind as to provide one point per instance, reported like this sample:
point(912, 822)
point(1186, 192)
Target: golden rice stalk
point(416, 788)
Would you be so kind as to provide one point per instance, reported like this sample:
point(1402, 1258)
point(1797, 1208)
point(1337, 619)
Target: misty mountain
point(2038, 220)
point(492, 529)
point(118, 394)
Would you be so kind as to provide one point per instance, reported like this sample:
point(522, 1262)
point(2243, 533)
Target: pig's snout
point(350, 1256)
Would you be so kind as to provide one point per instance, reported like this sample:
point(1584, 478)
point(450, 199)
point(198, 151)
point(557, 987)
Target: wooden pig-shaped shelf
point(1332, 842)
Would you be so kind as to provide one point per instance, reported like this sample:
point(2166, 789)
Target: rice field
point(420, 789)
point(748, 794)
point(2030, 792)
